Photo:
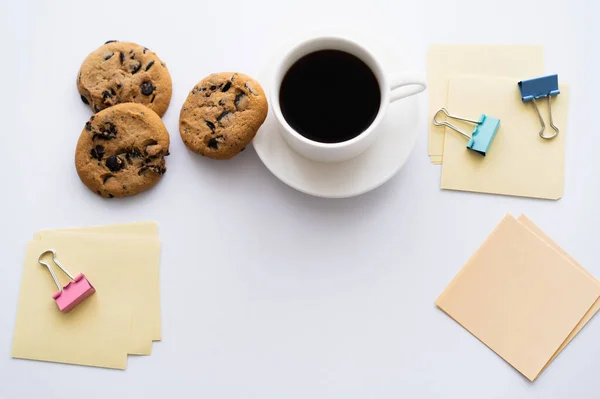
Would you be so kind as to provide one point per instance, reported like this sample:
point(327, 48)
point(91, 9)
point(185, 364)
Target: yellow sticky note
point(520, 297)
point(95, 333)
point(519, 162)
point(145, 229)
point(447, 60)
point(524, 220)
point(127, 252)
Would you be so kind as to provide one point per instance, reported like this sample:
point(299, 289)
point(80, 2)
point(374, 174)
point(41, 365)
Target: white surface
point(267, 292)
point(396, 136)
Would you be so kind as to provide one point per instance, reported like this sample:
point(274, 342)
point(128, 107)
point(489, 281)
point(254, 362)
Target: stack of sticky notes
point(471, 80)
point(121, 318)
point(522, 296)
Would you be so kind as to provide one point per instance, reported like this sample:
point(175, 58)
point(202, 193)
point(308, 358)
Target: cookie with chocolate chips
point(122, 150)
point(121, 72)
point(222, 115)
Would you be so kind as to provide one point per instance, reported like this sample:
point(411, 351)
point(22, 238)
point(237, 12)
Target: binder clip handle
point(451, 126)
point(55, 260)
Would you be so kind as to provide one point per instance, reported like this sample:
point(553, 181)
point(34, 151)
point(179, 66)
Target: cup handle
point(406, 84)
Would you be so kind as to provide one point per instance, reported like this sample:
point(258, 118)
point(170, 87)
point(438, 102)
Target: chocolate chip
point(210, 125)
point(152, 100)
point(149, 65)
point(99, 193)
point(108, 56)
point(213, 87)
point(124, 187)
point(237, 100)
point(114, 163)
point(102, 136)
point(106, 94)
point(111, 41)
point(88, 126)
point(110, 128)
point(223, 115)
point(226, 87)
point(145, 49)
point(156, 169)
point(119, 86)
point(204, 89)
point(85, 100)
point(121, 57)
point(135, 67)
point(111, 196)
point(93, 153)
point(213, 143)
point(133, 153)
point(233, 76)
point(147, 88)
point(107, 132)
point(242, 149)
point(132, 56)
point(100, 151)
point(147, 160)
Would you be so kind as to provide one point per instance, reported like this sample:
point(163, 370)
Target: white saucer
point(350, 178)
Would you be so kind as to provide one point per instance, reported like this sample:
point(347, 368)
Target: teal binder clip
point(483, 134)
point(545, 86)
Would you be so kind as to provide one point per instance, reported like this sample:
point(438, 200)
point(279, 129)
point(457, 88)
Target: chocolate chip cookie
point(121, 72)
point(121, 150)
point(222, 114)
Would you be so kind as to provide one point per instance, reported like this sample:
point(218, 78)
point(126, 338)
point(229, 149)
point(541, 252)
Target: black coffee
point(329, 96)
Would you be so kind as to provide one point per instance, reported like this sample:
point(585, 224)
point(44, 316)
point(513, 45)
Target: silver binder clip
point(482, 135)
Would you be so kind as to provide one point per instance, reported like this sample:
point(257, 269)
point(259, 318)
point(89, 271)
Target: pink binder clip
point(73, 293)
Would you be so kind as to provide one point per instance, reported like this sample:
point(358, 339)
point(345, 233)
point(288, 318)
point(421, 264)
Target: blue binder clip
point(532, 89)
point(483, 134)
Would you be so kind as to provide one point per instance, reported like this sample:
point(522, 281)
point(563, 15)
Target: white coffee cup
point(401, 85)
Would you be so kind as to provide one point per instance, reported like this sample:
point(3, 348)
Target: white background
point(267, 292)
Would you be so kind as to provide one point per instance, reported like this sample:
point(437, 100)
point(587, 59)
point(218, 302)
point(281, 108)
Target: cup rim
point(379, 74)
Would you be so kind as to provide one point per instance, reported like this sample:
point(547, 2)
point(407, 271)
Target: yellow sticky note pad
point(124, 272)
point(445, 61)
point(140, 229)
point(520, 297)
point(519, 162)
